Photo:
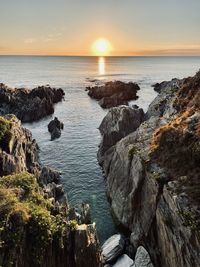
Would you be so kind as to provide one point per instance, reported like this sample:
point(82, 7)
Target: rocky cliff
point(153, 176)
point(37, 228)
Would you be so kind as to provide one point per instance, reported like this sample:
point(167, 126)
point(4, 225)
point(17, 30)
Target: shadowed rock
point(118, 123)
point(29, 105)
point(114, 93)
point(55, 127)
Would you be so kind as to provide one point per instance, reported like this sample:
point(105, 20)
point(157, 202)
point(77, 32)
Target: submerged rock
point(125, 261)
point(114, 93)
point(29, 105)
point(113, 248)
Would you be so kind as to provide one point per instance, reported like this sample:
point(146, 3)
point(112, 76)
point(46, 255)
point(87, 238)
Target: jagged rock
point(55, 127)
point(86, 246)
point(49, 175)
point(113, 248)
point(123, 261)
point(164, 148)
point(118, 123)
point(85, 213)
point(19, 152)
point(162, 105)
point(114, 93)
point(29, 105)
point(142, 258)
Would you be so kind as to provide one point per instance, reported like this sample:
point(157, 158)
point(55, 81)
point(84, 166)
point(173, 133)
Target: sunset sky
point(70, 27)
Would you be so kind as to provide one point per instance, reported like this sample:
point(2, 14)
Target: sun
point(101, 47)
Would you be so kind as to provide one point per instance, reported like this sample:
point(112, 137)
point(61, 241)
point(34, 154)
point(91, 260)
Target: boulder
point(118, 123)
point(142, 258)
point(113, 248)
point(124, 261)
point(55, 127)
point(114, 93)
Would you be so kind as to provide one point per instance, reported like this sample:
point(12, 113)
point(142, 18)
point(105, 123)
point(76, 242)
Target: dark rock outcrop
point(55, 127)
point(118, 123)
point(113, 94)
point(153, 177)
point(29, 105)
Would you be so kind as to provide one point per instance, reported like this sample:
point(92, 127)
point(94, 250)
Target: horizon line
point(33, 55)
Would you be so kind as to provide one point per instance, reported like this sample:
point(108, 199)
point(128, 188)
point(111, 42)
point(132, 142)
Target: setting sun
point(101, 47)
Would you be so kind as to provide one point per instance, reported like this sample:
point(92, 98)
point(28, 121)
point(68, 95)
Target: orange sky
point(69, 27)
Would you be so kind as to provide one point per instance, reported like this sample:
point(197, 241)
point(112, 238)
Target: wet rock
point(85, 213)
point(118, 123)
point(123, 261)
point(29, 105)
point(114, 93)
point(49, 175)
point(55, 127)
point(142, 258)
point(113, 248)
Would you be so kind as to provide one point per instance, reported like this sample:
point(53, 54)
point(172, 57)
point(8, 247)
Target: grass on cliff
point(176, 147)
point(27, 215)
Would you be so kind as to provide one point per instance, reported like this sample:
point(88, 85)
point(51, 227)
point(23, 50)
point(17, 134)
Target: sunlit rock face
point(153, 178)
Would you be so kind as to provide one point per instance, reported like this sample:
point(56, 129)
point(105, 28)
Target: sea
point(74, 153)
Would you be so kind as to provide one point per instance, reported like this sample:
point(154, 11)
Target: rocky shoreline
point(152, 174)
point(38, 227)
point(151, 164)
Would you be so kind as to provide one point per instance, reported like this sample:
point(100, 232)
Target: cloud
point(53, 37)
point(30, 40)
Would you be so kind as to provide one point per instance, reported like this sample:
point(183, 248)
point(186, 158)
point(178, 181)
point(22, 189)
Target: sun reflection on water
point(101, 64)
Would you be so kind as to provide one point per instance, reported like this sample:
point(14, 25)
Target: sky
point(70, 27)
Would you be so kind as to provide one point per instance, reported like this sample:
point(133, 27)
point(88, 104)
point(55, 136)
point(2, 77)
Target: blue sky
point(66, 27)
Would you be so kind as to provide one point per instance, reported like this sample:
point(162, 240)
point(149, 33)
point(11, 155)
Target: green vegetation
point(26, 214)
point(190, 219)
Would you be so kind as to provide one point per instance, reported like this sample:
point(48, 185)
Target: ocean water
point(74, 154)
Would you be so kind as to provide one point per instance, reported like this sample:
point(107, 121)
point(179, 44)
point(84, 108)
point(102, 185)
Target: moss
point(132, 151)
point(190, 219)
point(23, 207)
point(72, 224)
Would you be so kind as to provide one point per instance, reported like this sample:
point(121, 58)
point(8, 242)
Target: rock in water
point(113, 248)
point(55, 127)
point(142, 258)
point(29, 105)
point(114, 93)
point(118, 123)
point(124, 261)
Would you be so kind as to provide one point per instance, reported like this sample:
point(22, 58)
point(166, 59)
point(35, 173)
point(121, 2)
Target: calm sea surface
point(75, 152)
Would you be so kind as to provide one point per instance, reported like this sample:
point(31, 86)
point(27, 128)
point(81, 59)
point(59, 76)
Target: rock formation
point(113, 94)
point(153, 177)
point(55, 127)
point(36, 226)
point(118, 123)
point(29, 105)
